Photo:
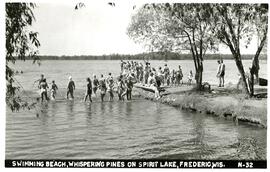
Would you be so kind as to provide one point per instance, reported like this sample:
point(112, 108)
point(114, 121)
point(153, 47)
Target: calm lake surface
point(123, 130)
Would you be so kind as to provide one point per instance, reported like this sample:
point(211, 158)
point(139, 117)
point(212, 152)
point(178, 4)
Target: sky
point(95, 29)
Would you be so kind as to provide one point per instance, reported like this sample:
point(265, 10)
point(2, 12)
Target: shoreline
point(227, 103)
point(224, 103)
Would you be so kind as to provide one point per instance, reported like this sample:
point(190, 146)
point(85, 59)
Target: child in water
point(70, 88)
point(88, 92)
point(53, 90)
point(102, 87)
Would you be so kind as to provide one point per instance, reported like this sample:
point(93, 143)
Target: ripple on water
point(126, 130)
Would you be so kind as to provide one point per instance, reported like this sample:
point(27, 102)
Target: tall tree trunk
point(241, 70)
point(199, 77)
point(199, 73)
point(254, 70)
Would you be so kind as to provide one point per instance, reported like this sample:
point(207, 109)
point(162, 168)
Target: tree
point(175, 27)
point(239, 22)
point(20, 44)
point(261, 25)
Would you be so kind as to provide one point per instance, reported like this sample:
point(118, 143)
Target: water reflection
point(88, 115)
point(70, 106)
point(102, 108)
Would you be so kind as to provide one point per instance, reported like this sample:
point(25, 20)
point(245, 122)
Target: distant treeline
point(148, 56)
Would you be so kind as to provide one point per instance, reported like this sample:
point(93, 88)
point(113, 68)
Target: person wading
point(88, 92)
point(70, 88)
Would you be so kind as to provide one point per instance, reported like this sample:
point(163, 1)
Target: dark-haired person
point(166, 72)
point(43, 89)
point(110, 88)
point(122, 65)
point(40, 80)
point(222, 73)
point(95, 85)
point(70, 88)
point(120, 88)
point(129, 85)
point(179, 75)
point(152, 83)
point(53, 90)
point(146, 73)
point(88, 92)
point(102, 87)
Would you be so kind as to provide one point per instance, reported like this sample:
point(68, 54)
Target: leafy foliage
point(199, 28)
point(235, 22)
point(176, 27)
point(21, 43)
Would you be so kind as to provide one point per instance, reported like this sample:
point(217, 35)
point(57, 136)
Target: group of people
point(123, 86)
point(43, 86)
point(163, 76)
point(131, 72)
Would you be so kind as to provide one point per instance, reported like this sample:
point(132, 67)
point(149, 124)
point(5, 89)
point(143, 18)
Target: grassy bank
point(227, 103)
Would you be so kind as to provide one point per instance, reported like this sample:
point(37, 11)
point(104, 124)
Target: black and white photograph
point(135, 84)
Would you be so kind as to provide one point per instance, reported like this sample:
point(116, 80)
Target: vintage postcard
point(135, 84)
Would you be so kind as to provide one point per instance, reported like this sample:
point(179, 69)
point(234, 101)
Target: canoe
point(146, 88)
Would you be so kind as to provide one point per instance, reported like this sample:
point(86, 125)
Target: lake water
point(121, 130)
point(60, 70)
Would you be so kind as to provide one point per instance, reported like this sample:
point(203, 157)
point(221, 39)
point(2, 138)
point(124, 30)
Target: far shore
point(146, 56)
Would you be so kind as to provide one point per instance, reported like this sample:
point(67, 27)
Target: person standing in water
point(129, 85)
point(70, 88)
point(42, 85)
point(88, 90)
point(43, 89)
point(120, 88)
point(53, 90)
point(95, 85)
point(102, 87)
point(110, 83)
